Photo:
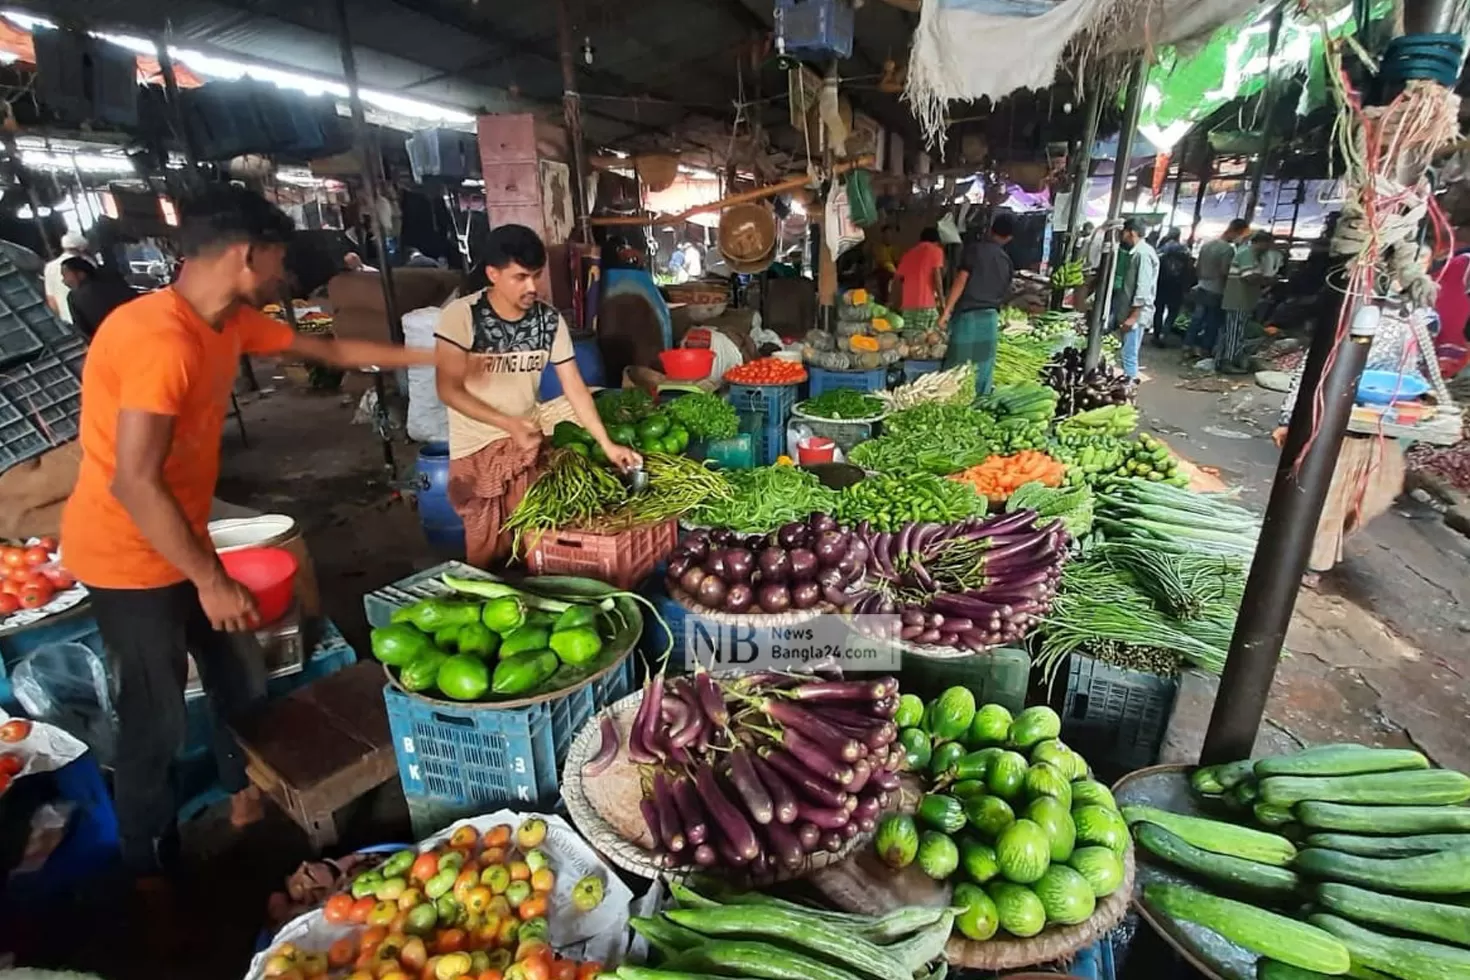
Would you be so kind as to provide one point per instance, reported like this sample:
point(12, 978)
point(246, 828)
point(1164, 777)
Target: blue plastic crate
point(768, 435)
point(767, 399)
point(655, 637)
point(380, 604)
point(824, 380)
point(90, 844)
point(816, 28)
point(460, 760)
point(913, 369)
point(1120, 715)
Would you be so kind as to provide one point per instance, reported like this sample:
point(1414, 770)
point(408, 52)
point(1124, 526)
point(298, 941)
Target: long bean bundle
point(763, 499)
point(676, 485)
point(572, 491)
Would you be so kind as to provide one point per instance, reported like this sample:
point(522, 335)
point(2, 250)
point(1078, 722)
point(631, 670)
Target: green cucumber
point(806, 931)
point(1214, 780)
point(664, 936)
point(630, 972)
point(1223, 869)
point(1271, 816)
point(1340, 760)
point(1276, 970)
point(1448, 922)
point(1433, 787)
point(1442, 873)
point(1411, 959)
point(1257, 930)
point(1383, 819)
point(1390, 847)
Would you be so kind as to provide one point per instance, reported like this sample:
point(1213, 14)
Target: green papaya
point(448, 638)
point(519, 673)
point(574, 617)
point(576, 646)
point(422, 672)
point(505, 615)
point(478, 639)
point(433, 615)
point(525, 638)
point(399, 643)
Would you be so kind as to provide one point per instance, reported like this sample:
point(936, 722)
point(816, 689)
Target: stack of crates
point(459, 760)
point(915, 369)
point(764, 411)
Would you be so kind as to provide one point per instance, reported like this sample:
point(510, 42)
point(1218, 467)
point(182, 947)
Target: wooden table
point(321, 747)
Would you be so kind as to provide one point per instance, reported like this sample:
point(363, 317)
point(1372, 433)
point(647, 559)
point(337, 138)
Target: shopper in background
point(155, 388)
point(1253, 269)
point(918, 282)
point(1176, 270)
point(72, 246)
point(1212, 270)
point(92, 294)
point(492, 347)
point(979, 291)
point(1138, 293)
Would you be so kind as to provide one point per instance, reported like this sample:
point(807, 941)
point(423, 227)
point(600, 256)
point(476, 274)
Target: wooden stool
point(321, 747)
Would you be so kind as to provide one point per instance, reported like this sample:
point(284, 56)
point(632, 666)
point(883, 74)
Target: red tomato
point(564, 970)
point(11, 763)
point(360, 910)
point(590, 970)
point(338, 909)
point(8, 603)
point(12, 556)
point(48, 542)
point(34, 596)
point(4, 782)
point(37, 556)
point(12, 587)
point(60, 578)
point(15, 730)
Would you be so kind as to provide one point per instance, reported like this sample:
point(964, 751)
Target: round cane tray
point(605, 807)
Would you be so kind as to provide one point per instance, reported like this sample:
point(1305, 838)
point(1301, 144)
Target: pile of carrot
point(1000, 476)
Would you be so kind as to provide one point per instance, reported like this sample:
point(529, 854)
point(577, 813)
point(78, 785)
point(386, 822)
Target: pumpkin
point(857, 297)
point(864, 344)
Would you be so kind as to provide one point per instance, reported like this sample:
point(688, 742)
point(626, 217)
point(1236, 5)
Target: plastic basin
point(1386, 387)
point(269, 574)
point(816, 450)
point(687, 363)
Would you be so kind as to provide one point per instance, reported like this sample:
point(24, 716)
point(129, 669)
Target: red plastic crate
point(623, 559)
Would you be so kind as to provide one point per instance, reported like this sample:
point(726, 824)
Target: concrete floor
point(1378, 650)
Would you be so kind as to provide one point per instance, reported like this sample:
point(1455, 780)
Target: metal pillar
point(1174, 205)
point(1102, 290)
point(1302, 482)
point(1078, 199)
point(372, 161)
point(571, 106)
point(18, 177)
point(175, 107)
point(1268, 126)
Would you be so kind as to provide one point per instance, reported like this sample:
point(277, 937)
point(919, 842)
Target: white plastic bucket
point(236, 533)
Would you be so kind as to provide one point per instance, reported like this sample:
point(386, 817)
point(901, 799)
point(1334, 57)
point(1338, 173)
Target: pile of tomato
point(29, 577)
point(767, 371)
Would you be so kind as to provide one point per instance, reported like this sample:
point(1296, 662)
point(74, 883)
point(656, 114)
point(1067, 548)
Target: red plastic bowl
point(688, 363)
point(269, 574)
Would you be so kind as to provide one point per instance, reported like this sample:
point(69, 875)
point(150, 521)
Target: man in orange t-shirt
point(155, 390)
point(919, 282)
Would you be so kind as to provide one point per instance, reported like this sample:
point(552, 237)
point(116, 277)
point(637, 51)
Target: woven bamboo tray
point(605, 807)
point(1214, 956)
point(865, 885)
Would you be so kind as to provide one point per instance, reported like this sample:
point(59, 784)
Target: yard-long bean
point(763, 499)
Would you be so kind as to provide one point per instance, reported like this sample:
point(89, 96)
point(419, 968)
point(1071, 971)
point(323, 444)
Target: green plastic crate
point(998, 676)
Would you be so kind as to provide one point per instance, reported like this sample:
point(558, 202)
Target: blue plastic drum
point(442, 526)
point(589, 362)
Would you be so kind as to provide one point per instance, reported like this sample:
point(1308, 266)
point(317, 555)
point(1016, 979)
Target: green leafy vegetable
point(705, 416)
point(842, 403)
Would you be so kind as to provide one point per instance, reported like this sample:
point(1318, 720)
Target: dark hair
point(1262, 236)
point(1173, 235)
point(512, 244)
point(1238, 224)
point(1003, 225)
point(80, 266)
point(930, 234)
point(1134, 225)
point(224, 214)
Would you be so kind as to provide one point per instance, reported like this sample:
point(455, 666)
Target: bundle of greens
point(932, 438)
point(842, 403)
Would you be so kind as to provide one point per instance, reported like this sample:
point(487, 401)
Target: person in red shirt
point(155, 391)
point(918, 283)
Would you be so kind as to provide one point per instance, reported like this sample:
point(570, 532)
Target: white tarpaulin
point(964, 50)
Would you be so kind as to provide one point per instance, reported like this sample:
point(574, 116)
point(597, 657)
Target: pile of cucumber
point(755, 935)
point(1363, 870)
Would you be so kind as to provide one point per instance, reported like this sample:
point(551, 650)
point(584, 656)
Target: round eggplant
point(805, 595)
point(775, 566)
point(739, 565)
point(739, 598)
point(691, 580)
point(791, 535)
point(803, 564)
point(712, 592)
point(774, 598)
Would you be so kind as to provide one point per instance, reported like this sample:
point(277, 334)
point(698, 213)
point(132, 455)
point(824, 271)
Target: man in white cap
point(72, 245)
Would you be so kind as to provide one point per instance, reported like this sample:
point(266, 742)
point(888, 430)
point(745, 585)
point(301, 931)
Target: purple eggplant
point(638, 751)
point(734, 828)
point(739, 565)
point(691, 811)
point(884, 779)
point(862, 771)
point(806, 595)
point(653, 731)
point(749, 787)
point(607, 751)
point(850, 829)
point(840, 691)
point(832, 841)
point(730, 855)
point(821, 523)
point(785, 846)
point(801, 779)
point(705, 856)
point(650, 817)
point(827, 818)
point(691, 580)
point(671, 829)
point(775, 565)
point(783, 798)
point(792, 535)
point(710, 699)
point(809, 834)
point(712, 592)
point(816, 757)
point(806, 722)
point(739, 598)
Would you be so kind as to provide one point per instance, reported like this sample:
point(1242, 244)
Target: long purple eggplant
point(805, 782)
point(710, 699)
point(607, 751)
point(705, 856)
point(691, 811)
point(810, 836)
point(676, 714)
point(749, 788)
point(840, 691)
point(884, 779)
point(671, 829)
point(785, 846)
point(827, 818)
point(1010, 522)
point(783, 798)
point(812, 727)
point(650, 817)
point(734, 828)
point(731, 856)
point(832, 840)
point(653, 734)
point(861, 773)
point(637, 751)
point(815, 756)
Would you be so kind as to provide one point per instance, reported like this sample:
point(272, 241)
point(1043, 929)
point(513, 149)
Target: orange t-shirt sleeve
point(159, 382)
point(260, 334)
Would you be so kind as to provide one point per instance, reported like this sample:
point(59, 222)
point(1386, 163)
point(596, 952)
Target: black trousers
point(148, 634)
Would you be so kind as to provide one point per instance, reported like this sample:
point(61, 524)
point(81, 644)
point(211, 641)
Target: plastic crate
point(998, 676)
point(27, 325)
point(1119, 715)
point(623, 558)
point(917, 369)
point(825, 380)
point(767, 399)
point(379, 604)
point(655, 637)
point(737, 453)
point(815, 27)
point(461, 760)
point(40, 400)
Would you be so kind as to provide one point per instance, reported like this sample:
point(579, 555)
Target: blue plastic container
point(764, 411)
point(1387, 387)
point(824, 380)
point(916, 369)
point(655, 637)
point(589, 362)
point(90, 844)
point(442, 527)
point(461, 760)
